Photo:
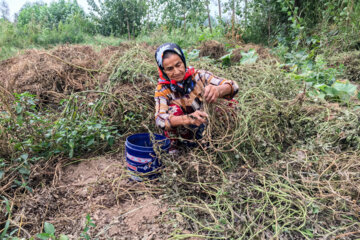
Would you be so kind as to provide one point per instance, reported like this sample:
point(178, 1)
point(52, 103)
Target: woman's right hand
point(197, 118)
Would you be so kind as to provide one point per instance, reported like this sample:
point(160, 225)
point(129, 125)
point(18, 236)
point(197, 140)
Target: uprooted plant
point(274, 164)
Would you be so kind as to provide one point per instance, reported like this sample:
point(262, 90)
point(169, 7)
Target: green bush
point(192, 37)
point(40, 134)
point(41, 25)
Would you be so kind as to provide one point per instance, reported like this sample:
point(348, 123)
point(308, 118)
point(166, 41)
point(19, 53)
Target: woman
point(181, 91)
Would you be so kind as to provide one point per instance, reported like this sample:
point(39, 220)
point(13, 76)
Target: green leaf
point(71, 153)
point(18, 108)
point(49, 228)
point(72, 143)
point(321, 86)
point(343, 90)
point(111, 141)
point(44, 236)
point(249, 58)
point(345, 87)
point(102, 136)
point(24, 156)
point(24, 171)
point(63, 237)
point(225, 60)
point(1, 174)
point(194, 54)
point(7, 224)
point(331, 92)
point(309, 233)
point(90, 142)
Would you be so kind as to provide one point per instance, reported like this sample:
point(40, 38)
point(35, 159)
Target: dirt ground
point(100, 188)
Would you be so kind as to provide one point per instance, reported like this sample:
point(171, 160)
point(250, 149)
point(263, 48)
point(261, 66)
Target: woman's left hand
point(211, 93)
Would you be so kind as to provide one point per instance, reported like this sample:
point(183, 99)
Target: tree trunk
point(128, 28)
point(269, 27)
point(208, 9)
point(233, 20)
point(245, 12)
point(219, 3)
point(185, 22)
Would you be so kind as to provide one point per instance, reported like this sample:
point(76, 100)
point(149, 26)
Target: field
point(283, 164)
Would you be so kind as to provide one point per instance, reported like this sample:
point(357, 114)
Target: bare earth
point(120, 208)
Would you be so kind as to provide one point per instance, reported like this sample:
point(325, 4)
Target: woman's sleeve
point(209, 78)
point(161, 108)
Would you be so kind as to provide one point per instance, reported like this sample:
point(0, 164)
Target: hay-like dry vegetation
point(276, 165)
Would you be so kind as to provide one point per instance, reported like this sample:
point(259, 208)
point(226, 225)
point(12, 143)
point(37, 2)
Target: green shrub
point(40, 134)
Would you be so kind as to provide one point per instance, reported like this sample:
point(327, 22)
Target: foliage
point(340, 90)
point(4, 10)
point(118, 17)
point(40, 24)
point(8, 209)
point(193, 37)
point(49, 16)
point(265, 22)
point(88, 224)
point(40, 135)
point(9, 40)
point(179, 13)
point(49, 231)
point(250, 57)
point(225, 60)
point(307, 23)
point(323, 82)
point(60, 22)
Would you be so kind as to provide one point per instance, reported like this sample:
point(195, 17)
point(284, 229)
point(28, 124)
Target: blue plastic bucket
point(141, 158)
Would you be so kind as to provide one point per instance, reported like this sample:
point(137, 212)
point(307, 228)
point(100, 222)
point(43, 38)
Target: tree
point(118, 17)
point(233, 16)
point(4, 10)
point(49, 16)
point(246, 12)
point(177, 12)
point(208, 11)
point(219, 6)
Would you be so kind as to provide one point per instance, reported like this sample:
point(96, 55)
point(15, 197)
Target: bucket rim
point(162, 137)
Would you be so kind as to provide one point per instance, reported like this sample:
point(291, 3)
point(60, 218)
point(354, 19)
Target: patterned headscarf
point(184, 87)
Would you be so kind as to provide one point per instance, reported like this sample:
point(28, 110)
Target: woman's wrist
point(224, 89)
point(179, 120)
point(186, 119)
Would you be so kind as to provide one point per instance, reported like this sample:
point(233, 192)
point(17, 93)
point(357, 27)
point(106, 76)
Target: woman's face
point(174, 68)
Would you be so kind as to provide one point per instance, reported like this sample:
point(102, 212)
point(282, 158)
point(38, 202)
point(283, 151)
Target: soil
point(100, 188)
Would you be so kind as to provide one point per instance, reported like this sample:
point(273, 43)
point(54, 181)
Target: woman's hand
point(211, 93)
point(197, 118)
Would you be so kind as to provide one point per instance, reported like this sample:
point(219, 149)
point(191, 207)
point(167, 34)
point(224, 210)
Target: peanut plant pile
point(278, 165)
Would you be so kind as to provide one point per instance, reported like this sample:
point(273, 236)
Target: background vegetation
point(314, 25)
